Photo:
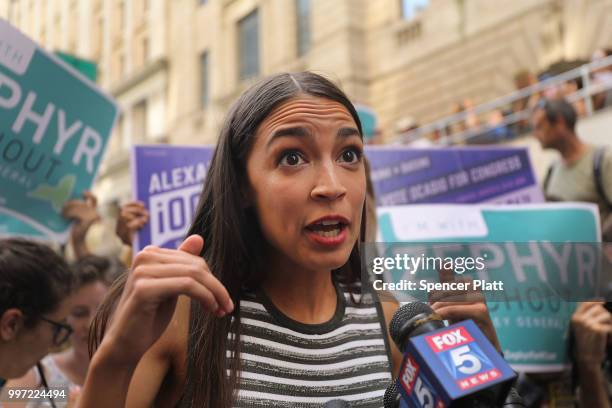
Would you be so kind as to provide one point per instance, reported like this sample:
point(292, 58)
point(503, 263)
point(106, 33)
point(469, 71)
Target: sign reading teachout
point(54, 128)
point(168, 180)
point(547, 257)
point(404, 175)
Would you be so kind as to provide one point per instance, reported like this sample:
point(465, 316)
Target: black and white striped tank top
point(290, 364)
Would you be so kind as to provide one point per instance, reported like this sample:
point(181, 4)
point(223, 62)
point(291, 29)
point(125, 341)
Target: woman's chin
point(330, 262)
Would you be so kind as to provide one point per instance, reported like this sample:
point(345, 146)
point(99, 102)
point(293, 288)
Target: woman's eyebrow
point(347, 132)
point(302, 132)
point(297, 131)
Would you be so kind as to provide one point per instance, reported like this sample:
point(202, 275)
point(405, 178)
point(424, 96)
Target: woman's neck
point(306, 296)
point(73, 364)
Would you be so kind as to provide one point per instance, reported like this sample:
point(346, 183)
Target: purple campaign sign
point(168, 179)
point(404, 175)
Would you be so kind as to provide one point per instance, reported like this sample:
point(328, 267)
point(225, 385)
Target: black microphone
point(337, 403)
point(413, 319)
point(514, 399)
point(452, 366)
point(392, 396)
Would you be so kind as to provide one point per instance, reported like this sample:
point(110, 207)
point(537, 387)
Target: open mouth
point(328, 228)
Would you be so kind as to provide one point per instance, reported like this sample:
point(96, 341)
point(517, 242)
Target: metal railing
point(442, 126)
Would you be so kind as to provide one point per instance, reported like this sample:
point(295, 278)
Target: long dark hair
point(233, 243)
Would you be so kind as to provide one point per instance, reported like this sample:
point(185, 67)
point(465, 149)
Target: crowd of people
point(505, 123)
point(48, 303)
point(274, 243)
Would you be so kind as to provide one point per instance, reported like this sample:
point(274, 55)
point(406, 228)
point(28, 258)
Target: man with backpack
point(583, 172)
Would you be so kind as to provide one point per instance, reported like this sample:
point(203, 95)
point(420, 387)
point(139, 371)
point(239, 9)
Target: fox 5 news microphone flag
point(54, 128)
point(450, 365)
point(168, 180)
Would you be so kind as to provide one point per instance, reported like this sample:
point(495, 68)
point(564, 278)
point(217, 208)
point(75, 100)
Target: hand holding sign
point(592, 324)
point(84, 213)
point(132, 217)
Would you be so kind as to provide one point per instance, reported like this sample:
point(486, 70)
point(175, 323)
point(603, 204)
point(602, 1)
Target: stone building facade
point(174, 66)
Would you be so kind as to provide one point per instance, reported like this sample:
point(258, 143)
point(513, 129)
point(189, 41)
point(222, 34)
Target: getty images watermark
point(504, 271)
point(404, 263)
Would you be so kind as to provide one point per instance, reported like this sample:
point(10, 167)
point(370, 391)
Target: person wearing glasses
point(35, 284)
point(67, 369)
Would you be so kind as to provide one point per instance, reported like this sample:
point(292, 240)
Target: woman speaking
point(262, 304)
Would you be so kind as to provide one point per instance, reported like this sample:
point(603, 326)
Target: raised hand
point(132, 217)
point(84, 213)
point(592, 324)
point(148, 302)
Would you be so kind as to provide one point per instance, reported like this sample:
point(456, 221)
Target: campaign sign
point(403, 175)
point(168, 180)
point(452, 363)
point(542, 258)
point(54, 128)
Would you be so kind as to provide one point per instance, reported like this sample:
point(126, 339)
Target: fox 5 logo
point(459, 353)
point(418, 389)
point(465, 361)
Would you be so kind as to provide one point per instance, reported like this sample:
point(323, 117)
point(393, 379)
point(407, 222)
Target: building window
point(248, 48)
point(145, 49)
point(411, 8)
point(13, 12)
point(204, 91)
point(141, 51)
point(118, 21)
point(303, 26)
point(122, 19)
point(139, 128)
point(57, 34)
point(117, 66)
point(117, 141)
point(98, 36)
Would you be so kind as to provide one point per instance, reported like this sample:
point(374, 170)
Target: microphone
point(337, 403)
point(514, 400)
point(392, 397)
point(447, 366)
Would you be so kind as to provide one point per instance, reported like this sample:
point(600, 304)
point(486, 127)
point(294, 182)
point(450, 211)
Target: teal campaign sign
point(54, 128)
point(368, 120)
point(537, 261)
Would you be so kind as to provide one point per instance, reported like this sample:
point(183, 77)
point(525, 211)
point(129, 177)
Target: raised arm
point(135, 348)
point(592, 324)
